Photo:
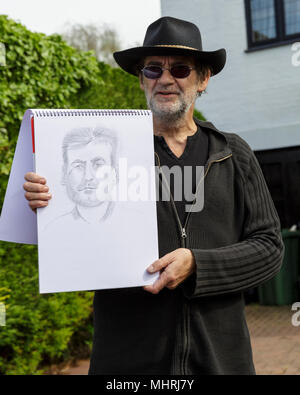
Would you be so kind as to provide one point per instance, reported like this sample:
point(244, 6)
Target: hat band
point(176, 46)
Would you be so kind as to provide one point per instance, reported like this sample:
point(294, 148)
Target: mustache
point(88, 185)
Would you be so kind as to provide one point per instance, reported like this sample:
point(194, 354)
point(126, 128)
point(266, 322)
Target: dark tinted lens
point(152, 72)
point(180, 71)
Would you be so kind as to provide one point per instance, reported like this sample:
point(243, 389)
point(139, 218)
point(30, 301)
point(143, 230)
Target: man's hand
point(36, 191)
point(174, 268)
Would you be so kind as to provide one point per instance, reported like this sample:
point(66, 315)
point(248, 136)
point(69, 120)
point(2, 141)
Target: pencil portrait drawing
point(85, 152)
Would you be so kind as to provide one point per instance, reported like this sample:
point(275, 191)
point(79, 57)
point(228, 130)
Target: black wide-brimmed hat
point(174, 37)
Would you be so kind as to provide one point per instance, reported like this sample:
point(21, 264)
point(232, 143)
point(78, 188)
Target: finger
point(159, 284)
point(33, 177)
point(34, 204)
point(38, 196)
point(35, 187)
point(172, 285)
point(160, 263)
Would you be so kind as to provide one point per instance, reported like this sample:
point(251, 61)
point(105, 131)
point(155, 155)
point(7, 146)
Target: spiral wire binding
point(72, 113)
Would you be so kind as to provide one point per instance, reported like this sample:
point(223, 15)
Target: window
point(292, 16)
point(272, 22)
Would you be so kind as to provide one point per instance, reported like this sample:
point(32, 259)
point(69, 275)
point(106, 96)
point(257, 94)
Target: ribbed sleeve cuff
point(234, 268)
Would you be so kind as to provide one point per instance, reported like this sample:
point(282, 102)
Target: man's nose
point(166, 77)
point(89, 172)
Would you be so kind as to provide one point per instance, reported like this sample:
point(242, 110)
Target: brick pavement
point(275, 342)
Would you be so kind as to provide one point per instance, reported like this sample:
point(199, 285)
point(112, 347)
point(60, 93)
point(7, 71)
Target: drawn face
point(82, 178)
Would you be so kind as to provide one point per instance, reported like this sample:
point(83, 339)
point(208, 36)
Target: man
point(86, 151)
point(191, 320)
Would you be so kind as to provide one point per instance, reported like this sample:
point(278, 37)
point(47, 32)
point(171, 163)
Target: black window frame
point(280, 39)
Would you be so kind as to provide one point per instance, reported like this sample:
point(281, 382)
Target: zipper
point(205, 174)
point(183, 228)
point(183, 233)
point(185, 332)
point(183, 245)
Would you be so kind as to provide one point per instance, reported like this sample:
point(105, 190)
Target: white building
point(257, 95)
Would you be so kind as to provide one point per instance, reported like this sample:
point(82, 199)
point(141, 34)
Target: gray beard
point(171, 115)
point(168, 115)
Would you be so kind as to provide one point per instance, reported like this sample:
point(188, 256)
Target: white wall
point(257, 95)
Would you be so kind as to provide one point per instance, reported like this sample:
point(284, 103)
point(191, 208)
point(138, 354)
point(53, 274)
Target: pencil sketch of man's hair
point(83, 136)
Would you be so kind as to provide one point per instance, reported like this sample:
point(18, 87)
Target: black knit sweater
point(200, 327)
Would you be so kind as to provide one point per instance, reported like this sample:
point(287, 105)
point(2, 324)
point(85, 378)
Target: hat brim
point(129, 59)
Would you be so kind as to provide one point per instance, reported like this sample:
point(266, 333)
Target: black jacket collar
point(218, 141)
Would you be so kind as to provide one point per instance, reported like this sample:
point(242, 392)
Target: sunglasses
point(177, 71)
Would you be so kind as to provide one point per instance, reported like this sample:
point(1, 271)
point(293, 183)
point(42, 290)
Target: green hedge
point(38, 327)
point(44, 72)
point(40, 72)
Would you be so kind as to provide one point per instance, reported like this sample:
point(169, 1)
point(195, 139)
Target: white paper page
point(78, 251)
point(18, 221)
